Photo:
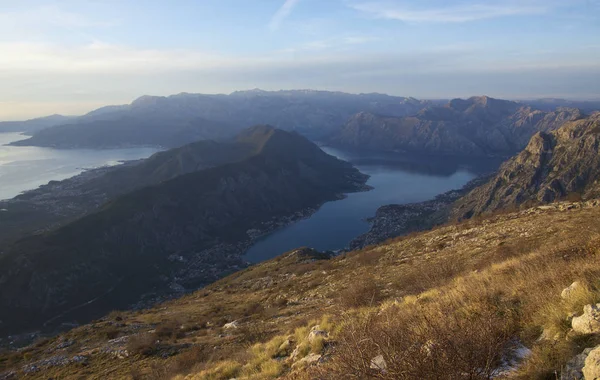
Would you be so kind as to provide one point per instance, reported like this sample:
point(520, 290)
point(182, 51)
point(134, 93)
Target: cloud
point(281, 14)
point(448, 14)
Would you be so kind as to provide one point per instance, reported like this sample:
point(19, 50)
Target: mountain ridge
point(552, 166)
point(477, 126)
point(178, 234)
point(151, 120)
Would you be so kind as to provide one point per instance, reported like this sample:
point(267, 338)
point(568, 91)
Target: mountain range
point(499, 296)
point(493, 286)
point(177, 234)
point(179, 119)
point(478, 126)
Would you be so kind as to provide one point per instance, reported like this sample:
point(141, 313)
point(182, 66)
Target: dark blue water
point(396, 178)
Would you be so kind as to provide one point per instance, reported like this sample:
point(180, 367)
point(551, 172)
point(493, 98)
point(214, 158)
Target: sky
point(72, 56)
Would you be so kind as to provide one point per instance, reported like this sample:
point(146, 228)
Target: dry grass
point(464, 294)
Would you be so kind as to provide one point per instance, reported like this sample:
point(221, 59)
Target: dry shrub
point(573, 197)
point(144, 344)
point(251, 333)
point(361, 292)
point(186, 360)
point(170, 330)
point(422, 276)
point(435, 342)
point(368, 257)
point(110, 332)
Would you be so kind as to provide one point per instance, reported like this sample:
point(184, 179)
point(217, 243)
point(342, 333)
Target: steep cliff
point(552, 166)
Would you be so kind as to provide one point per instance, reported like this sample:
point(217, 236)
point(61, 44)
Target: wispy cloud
point(464, 12)
point(281, 14)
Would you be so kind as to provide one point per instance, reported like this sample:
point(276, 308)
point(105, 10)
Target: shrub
point(430, 343)
point(362, 292)
point(170, 330)
point(143, 344)
point(111, 332)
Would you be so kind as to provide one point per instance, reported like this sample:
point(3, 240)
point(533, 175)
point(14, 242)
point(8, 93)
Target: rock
point(378, 363)
point(231, 325)
point(573, 370)
point(79, 359)
point(295, 353)
point(316, 332)
point(65, 344)
point(569, 290)
point(589, 322)
point(548, 334)
point(285, 348)
point(591, 370)
point(309, 360)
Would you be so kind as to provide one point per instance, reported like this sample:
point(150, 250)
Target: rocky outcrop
point(570, 290)
point(573, 370)
point(589, 322)
point(591, 369)
point(554, 165)
point(316, 333)
point(476, 126)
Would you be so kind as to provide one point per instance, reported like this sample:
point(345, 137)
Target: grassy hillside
point(461, 301)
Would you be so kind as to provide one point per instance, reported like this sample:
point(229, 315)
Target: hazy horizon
point(70, 57)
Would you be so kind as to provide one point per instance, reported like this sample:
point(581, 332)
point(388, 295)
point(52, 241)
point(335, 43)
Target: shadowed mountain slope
point(476, 126)
point(183, 232)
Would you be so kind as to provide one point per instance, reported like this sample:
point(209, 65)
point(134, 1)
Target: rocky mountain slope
point(480, 299)
point(476, 126)
point(179, 119)
point(176, 235)
point(554, 165)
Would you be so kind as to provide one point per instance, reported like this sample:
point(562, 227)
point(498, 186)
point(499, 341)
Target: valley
point(197, 232)
point(300, 190)
point(396, 178)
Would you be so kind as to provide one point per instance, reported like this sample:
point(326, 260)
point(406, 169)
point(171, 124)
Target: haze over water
point(26, 168)
point(396, 178)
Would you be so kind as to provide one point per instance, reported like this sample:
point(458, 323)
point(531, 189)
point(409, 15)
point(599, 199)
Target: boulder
point(591, 370)
point(378, 363)
point(231, 325)
point(573, 370)
point(316, 332)
point(295, 353)
point(309, 360)
point(589, 322)
point(569, 290)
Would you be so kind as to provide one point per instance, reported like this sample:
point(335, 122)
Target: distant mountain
point(476, 126)
point(178, 234)
point(548, 104)
point(34, 125)
point(179, 119)
point(552, 166)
